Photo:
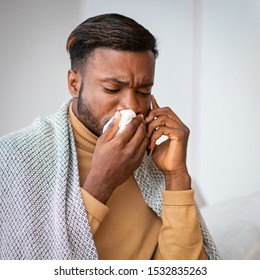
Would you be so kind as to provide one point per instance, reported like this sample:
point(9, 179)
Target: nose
point(129, 101)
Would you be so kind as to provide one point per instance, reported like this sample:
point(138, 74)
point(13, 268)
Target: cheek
point(145, 104)
point(106, 107)
point(99, 102)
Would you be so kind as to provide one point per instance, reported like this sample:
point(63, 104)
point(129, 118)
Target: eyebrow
point(123, 83)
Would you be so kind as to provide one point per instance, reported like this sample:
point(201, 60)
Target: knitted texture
point(42, 213)
point(151, 182)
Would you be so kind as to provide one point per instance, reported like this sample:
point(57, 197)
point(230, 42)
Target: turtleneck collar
point(84, 138)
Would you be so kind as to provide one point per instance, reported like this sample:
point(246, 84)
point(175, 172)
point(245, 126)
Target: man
point(71, 191)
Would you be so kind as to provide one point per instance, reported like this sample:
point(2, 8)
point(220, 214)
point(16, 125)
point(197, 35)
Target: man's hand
point(116, 157)
point(170, 155)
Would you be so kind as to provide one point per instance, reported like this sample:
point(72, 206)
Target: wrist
point(177, 181)
point(97, 188)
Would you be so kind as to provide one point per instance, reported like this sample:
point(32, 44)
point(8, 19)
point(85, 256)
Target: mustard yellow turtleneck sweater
point(126, 228)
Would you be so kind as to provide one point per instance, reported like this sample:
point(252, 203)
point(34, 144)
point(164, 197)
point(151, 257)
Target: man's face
point(113, 80)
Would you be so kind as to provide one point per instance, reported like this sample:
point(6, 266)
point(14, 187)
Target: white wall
point(229, 96)
point(33, 58)
point(207, 71)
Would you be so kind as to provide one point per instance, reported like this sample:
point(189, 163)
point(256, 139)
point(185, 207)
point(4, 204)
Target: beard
point(87, 117)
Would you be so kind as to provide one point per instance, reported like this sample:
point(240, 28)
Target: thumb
point(111, 128)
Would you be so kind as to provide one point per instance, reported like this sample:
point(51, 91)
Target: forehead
point(124, 65)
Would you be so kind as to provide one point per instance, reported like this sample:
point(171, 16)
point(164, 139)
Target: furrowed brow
point(146, 85)
point(123, 83)
point(116, 81)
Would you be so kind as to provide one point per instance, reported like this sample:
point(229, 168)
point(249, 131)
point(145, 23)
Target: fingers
point(154, 103)
point(134, 133)
point(163, 121)
point(179, 134)
point(157, 111)
point(127, 134)
point(134, 137)
point(140, 138)
point(112, 129)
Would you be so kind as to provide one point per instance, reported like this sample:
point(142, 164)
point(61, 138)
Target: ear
point(74, 82)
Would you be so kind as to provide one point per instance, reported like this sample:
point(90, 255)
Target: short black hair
point(112, 31)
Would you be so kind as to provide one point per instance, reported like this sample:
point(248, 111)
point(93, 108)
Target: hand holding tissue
point(126, 116)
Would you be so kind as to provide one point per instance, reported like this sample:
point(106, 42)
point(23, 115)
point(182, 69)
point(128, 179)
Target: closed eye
point(109, 90)
point(144, 94)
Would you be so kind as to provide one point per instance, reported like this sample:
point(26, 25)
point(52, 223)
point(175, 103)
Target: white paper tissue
point(126, 116)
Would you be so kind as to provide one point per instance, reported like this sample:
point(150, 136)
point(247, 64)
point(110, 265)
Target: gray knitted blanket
point(42, 214)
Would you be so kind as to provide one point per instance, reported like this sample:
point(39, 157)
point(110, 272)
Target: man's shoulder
point(18, 149)
point(41, 133)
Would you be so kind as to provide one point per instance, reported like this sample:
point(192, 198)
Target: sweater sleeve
point(96, 210)
point(180, 236)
